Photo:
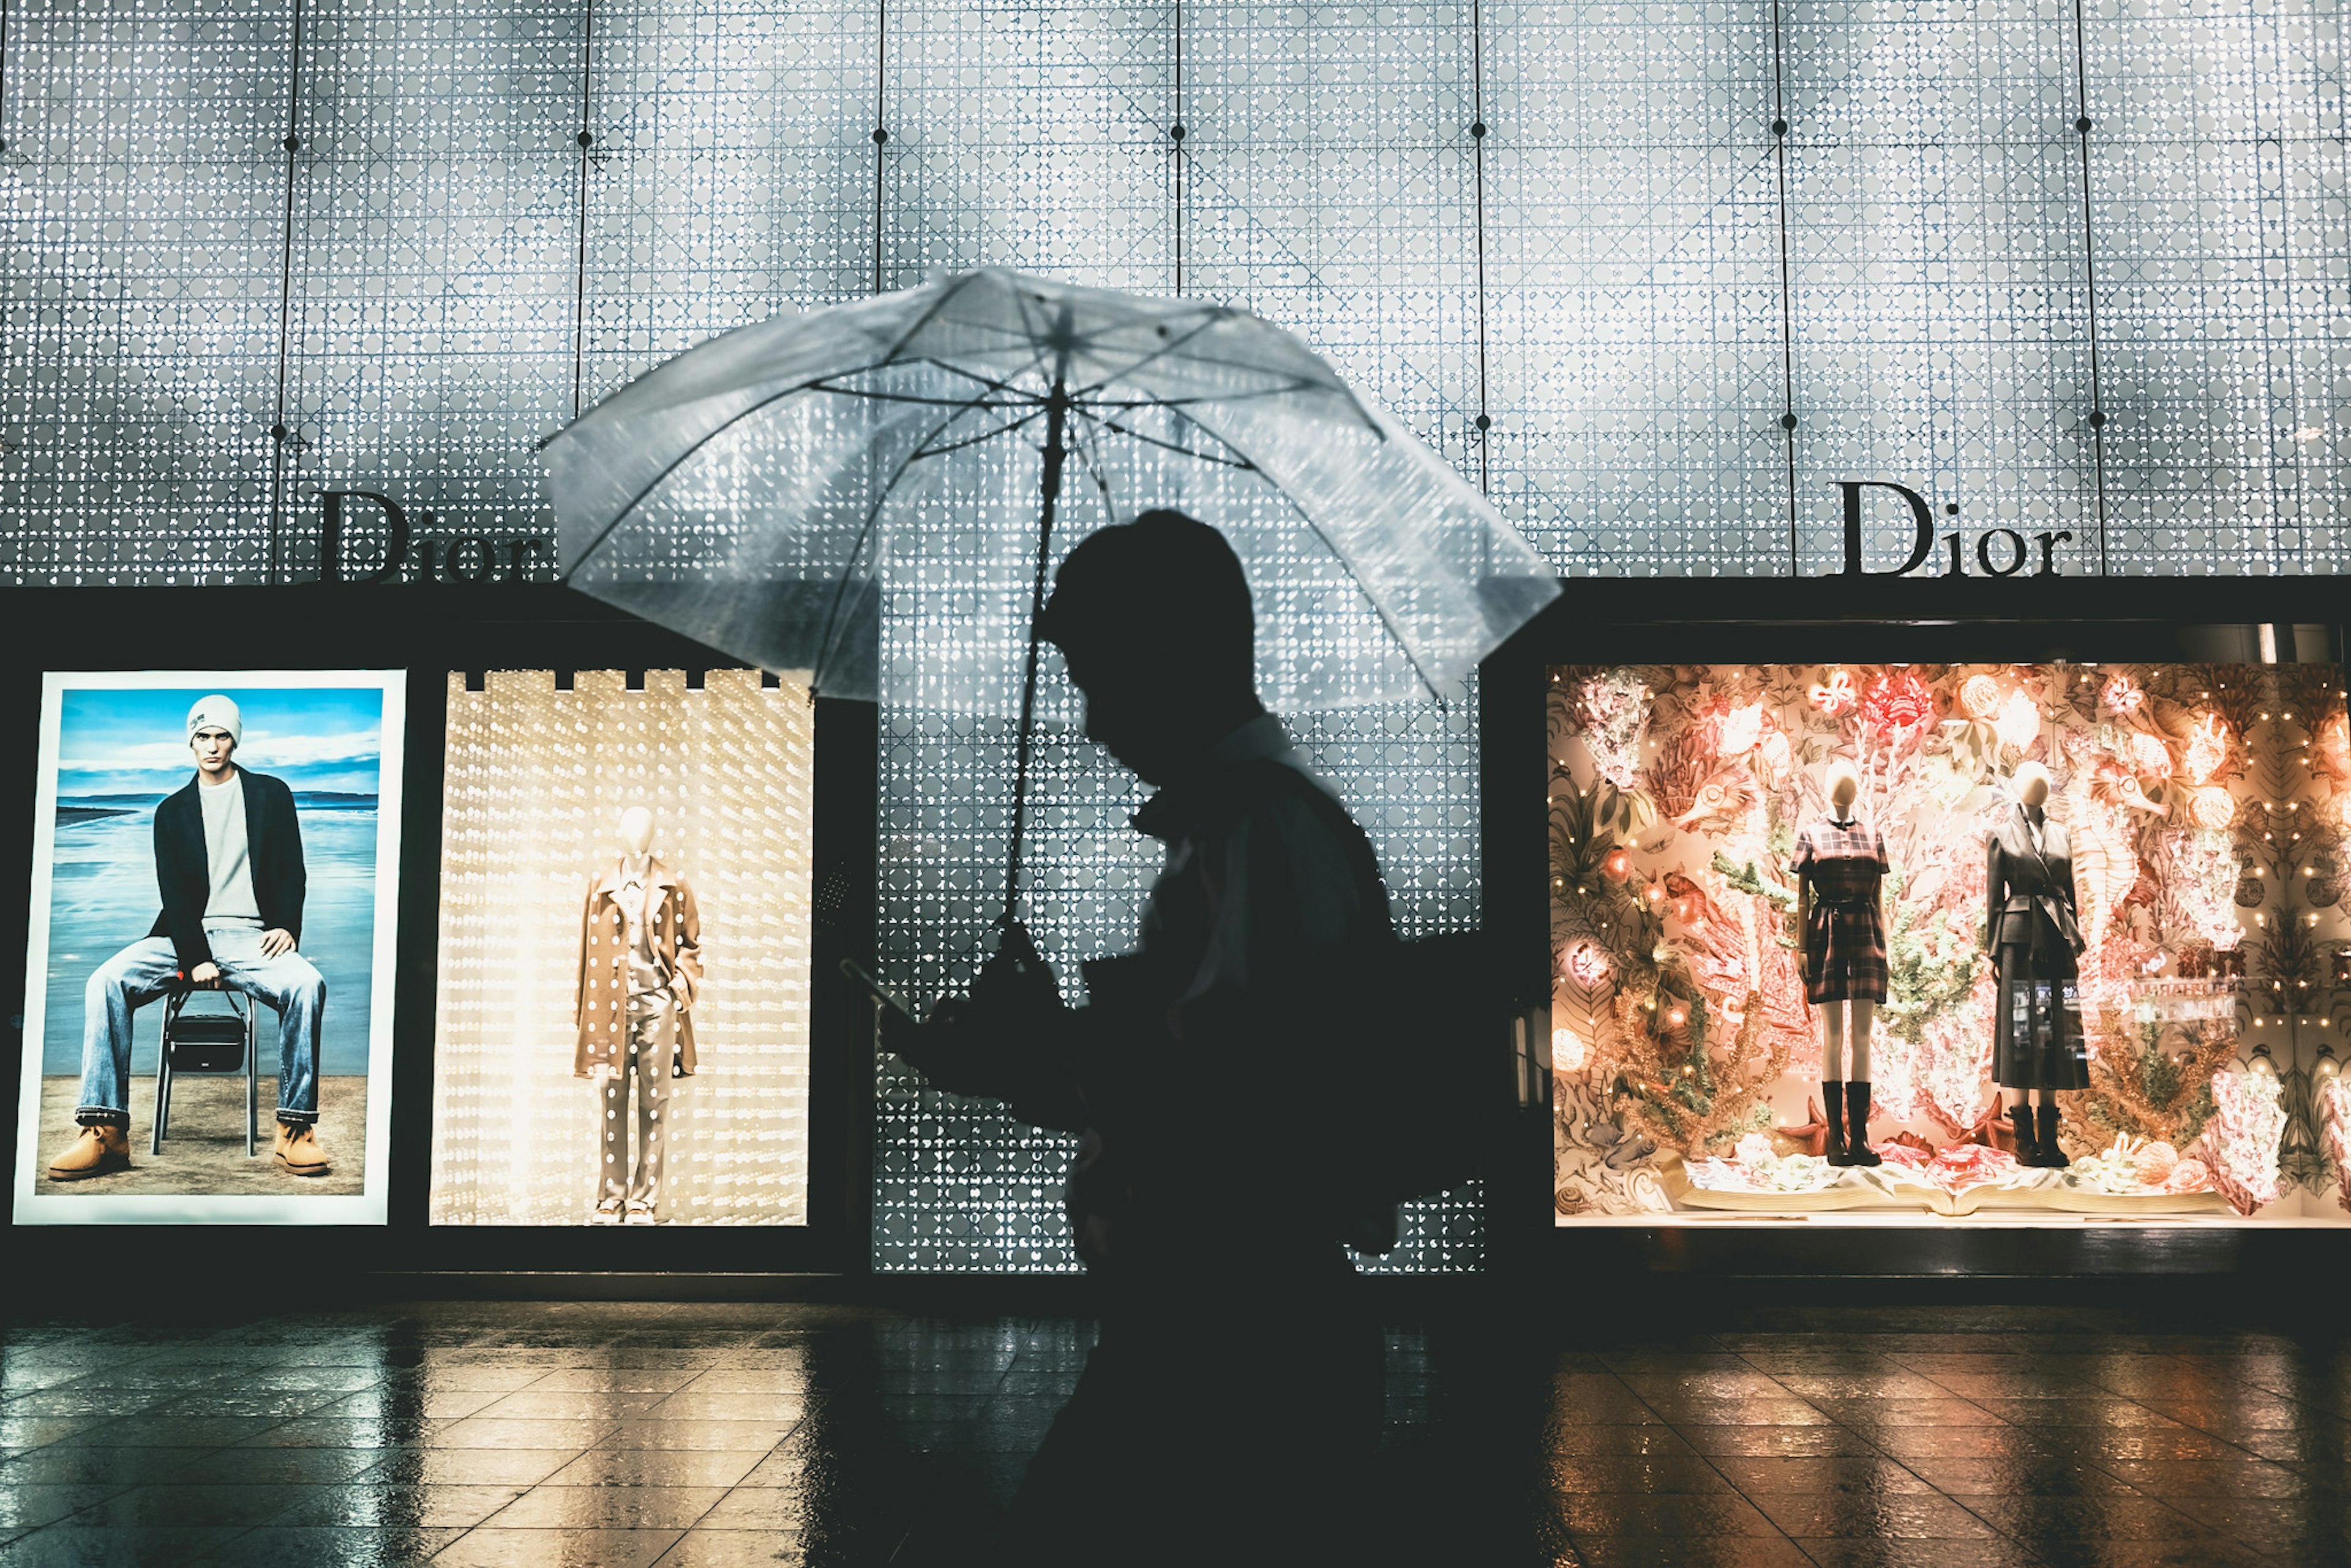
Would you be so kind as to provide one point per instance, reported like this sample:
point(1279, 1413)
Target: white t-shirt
point(226, 855)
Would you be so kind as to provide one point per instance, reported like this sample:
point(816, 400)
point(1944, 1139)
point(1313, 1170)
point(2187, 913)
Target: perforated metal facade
point(2076, 272)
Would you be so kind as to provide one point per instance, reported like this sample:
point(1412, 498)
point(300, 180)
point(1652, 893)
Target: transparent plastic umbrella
point(935, 453)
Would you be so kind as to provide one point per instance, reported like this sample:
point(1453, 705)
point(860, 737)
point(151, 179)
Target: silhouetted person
point(1231, 1406)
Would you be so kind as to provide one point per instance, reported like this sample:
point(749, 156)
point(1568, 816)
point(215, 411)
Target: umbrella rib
point(678, 461)
point(865, 529)
point(988, 434)
point(901, 397)
point(820, 384)
point(1341, 556)
point(1212, 315)
point(946, 296)
point(1133, 433)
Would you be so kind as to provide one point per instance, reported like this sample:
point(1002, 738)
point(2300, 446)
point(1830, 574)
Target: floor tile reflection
point(814, 1436)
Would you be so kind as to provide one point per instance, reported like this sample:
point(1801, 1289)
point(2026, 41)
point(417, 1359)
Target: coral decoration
point(2241, 1139)
point(1611, 717)
point(2213, 808)
point(1733, 730)
point(2018, 724)
point(1835, 696)
point(2197, 887)
point(2121, 697)
point(2334, 1112)
point(2208, 748)
point(1898, 706)
point(1980, 696)
point(1954, 1169)
point(2149, 757)
point(2331, 748)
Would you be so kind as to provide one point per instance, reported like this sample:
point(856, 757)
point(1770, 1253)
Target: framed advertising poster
point(208, 991)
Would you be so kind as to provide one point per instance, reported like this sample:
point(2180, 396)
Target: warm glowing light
point(1585, 964)
point(1836, 695)
point(1980, 696)
point(1568, 1050)
point(2213, 808)
point(1616, 865)
point(2149, 757)
point(2018, 724)
point(1735, 731)
point(2121, 697)
point(2208, 748)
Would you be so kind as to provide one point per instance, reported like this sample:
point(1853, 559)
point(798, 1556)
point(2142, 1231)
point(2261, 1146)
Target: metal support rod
point(1057, 413)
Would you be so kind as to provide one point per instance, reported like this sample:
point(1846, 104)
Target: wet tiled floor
point(690, 1436)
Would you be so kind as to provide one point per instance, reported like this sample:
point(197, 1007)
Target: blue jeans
point(145, 970)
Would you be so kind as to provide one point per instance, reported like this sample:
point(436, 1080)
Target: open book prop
point(2134, 1177)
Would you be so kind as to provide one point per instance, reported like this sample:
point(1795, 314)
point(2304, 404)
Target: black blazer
point(2029, 892)
point(183, 871)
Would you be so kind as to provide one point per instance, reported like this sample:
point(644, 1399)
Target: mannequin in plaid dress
point(1840, 865)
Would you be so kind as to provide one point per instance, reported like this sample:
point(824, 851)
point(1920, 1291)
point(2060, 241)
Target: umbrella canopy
point(935, 452)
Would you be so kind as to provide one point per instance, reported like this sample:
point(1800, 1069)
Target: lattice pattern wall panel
point(536, 781)
point(957, 1185)
point(729, 176)
point(1938, 287)
point(436, 243)
point(1328, 188)
point(2222, 236)
point(140, 189)
point(1032, 136)
point(1633, 284)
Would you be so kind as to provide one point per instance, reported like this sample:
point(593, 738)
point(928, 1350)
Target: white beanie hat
point(216, 712)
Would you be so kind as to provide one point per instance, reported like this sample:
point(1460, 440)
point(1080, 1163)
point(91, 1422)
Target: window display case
point(2092, 967)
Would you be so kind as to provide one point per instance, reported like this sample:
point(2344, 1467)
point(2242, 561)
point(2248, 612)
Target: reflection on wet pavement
point(625, 1435)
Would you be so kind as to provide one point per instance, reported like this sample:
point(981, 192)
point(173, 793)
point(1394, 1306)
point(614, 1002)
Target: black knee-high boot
point(2053, 1155)
point(2028, 1146)
point(1857, 1123)
point(1833, 1109)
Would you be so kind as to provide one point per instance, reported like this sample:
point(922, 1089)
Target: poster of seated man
point(208, 997)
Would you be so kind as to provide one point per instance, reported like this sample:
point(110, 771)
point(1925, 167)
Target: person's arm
point(285, 879)
point(687, 981)
point(579, 970)
point(1801, 864)
point(183, 887)
point(1992, 894)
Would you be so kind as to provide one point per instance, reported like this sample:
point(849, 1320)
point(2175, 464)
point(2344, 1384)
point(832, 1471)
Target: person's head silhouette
point(1155, 621)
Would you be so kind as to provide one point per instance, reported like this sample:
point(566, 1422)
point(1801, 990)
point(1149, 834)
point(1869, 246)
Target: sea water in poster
point(239, 828)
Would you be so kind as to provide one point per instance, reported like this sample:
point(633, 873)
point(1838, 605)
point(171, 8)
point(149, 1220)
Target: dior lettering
point(1999, 551)
point(398, 551)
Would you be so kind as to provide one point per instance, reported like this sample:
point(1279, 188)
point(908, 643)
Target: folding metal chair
point(206, 1041)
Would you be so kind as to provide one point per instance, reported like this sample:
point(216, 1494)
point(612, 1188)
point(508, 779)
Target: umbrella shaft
point(1057, 409)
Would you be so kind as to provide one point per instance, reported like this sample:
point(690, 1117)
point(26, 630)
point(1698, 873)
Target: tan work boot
point(299, 1151)
point(95, 1153)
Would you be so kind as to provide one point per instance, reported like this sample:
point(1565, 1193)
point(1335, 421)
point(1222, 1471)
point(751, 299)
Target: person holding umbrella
point(1230, 1407)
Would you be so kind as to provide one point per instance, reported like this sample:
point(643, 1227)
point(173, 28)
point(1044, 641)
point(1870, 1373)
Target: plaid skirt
point(1846, 947)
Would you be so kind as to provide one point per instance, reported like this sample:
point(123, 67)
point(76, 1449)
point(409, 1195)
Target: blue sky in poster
point(135, 742)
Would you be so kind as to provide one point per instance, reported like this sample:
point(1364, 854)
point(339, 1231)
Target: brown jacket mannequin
point(601, 1001)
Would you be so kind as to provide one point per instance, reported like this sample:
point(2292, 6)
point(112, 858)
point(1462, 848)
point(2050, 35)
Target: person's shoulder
point(184, 799)
point(265, 783)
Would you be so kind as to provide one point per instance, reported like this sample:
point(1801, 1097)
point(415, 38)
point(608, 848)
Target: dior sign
point(399, 553)
point(1998, 552)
